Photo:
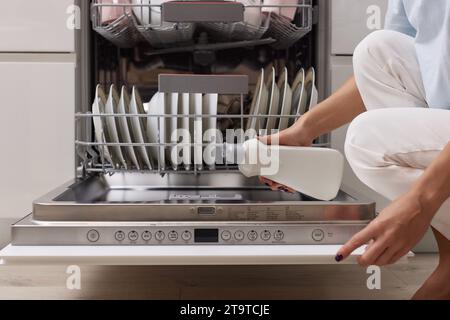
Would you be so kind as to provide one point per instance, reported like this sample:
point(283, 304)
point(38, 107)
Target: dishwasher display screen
point(206, 235)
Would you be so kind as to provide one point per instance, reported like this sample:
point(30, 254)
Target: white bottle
point(315, 172)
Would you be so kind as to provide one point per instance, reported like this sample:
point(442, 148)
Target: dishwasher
point(111, 214)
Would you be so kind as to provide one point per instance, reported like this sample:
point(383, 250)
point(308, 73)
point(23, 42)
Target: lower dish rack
point(177, 131)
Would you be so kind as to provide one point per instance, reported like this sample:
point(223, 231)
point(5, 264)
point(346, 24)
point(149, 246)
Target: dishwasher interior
point(187, 50)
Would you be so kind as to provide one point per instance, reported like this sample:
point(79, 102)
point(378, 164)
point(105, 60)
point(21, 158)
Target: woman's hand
point(297, 135)
point(402, 225)
point(339, 109)
point(393, 233)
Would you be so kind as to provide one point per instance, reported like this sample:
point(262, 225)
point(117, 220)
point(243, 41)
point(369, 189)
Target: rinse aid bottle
point(314, 172)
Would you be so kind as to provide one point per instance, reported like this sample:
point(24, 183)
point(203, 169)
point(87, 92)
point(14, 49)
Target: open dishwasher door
point(122, 220)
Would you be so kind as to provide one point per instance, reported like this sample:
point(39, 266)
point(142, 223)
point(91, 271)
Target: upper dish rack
point(173, 23)
point(95, 150)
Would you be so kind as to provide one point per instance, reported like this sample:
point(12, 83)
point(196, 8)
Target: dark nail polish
point(339, 258)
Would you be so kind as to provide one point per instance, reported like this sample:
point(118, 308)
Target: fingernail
point(339, 258)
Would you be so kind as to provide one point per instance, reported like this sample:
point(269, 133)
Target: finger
point(266, 181)
point(271, 184)
point(371, 242)
point(397, 256)
point(268, 139)
point(358, 240)
point(275, 139)
point(386, 257)
point(275, 186)
point(371, 255)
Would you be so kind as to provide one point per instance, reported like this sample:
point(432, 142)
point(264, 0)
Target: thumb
point(280, 138)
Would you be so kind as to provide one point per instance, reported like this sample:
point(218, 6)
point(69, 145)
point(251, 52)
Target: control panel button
point(253, 235)
point(173, 236)
point(186, 236)
point(120, 235)
point(226, 235)
point(318, 235)
point(147, 236)
point(239, 235)
point(93, 236)
point(266, 235)
point(279, 235)
point(160, 236)
point(133, 236)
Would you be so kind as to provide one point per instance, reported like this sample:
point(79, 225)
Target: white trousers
point(390, 146)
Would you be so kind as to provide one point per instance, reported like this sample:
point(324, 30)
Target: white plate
point(197, 103)
point(155, 125)
point(111, 128)
point(150, 15)
point(187, 129)
point(142, 13)
point(210, 106)
point(300, 98)
point(137, 127)
point(98, 107)
point(311, 89)
point(171, 107)
point(272, 103)
point(256, 100)
point(276, 6)
point(124, 128)
point(252, 15)
point(286, 100)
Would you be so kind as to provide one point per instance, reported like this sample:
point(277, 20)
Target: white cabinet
point(36, 128)
point(36, 26)
point(352, 20)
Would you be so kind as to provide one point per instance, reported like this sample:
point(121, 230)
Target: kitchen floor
point(212, 282)
point(224, 282)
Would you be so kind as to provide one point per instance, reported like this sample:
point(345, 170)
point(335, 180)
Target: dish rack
point(174, 23)
point(92, 151)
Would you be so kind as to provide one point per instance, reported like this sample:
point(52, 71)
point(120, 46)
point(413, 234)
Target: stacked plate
point(171, 132)
point(276, 105)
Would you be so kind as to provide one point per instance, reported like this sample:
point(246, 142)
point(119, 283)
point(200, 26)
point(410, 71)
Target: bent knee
point(378, 46)
point(363, 144)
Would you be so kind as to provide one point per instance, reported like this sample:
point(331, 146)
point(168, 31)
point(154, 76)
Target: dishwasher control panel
point(232, 235)
point(29, 232)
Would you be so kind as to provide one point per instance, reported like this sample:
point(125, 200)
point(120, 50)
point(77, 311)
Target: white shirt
point(428, 21)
